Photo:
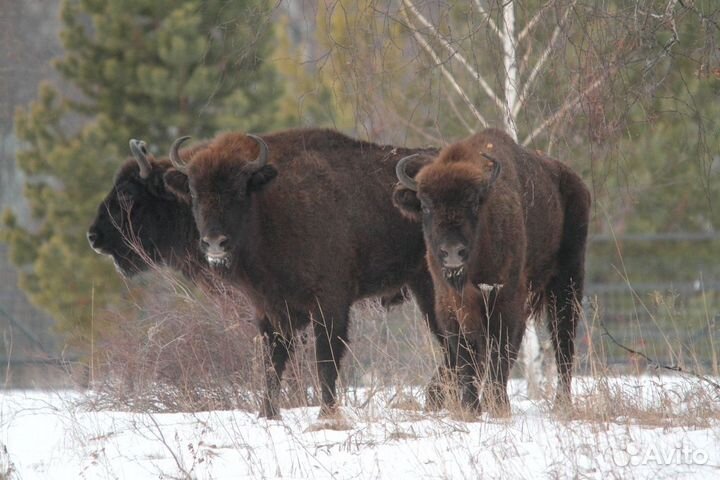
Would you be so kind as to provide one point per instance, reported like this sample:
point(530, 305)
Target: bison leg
point(330, 343)
point(465, 370)
point(422, 289)
point(277, 350)
point(499, 351)
point(564, 312)
point(565, 289)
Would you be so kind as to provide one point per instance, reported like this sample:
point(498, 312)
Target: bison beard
point(455, 277)
point(521, 221)
point(306, 218)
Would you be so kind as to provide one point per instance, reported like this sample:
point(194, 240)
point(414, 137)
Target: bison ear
point(176, 182)
point(261, 177)
point(407, 202)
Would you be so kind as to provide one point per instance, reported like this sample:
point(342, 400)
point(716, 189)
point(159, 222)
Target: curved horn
point(406, 180)
point(139, 151)
point(496, 168)
point(175, 153)
point(262, 157)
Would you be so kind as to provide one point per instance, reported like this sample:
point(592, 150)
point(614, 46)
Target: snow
point(54, 435)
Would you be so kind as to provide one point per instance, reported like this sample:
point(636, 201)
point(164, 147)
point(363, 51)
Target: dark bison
point(140, 223)
point(505, 230)
point(303, 219)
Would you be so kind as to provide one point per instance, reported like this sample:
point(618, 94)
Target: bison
point(140, 223)
point(505, 230)
point(303, 220)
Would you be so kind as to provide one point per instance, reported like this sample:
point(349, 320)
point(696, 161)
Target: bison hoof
point(497, 407)
point(329, 412)
point(466, 411)
point(500, 411)
point(270, 412)
point(562, 405)
point(434, 396)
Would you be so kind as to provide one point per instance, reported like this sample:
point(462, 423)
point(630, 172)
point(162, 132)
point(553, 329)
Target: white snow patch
point(50, 435)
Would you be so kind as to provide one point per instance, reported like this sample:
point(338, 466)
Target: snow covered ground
point(655, 428)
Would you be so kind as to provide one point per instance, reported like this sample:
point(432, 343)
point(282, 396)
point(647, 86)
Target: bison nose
point(215, 244)
point(453, 256)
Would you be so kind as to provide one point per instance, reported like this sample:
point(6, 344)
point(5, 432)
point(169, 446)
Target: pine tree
point(152, 69)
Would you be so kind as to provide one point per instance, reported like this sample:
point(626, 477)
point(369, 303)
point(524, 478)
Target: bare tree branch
point(453, 53)
point(540, 63)
point(567, 106)
point(533, 21)
point(489, 20)
point(511, 69)
point(656, 364)
point(457, 113)
point(426, 46)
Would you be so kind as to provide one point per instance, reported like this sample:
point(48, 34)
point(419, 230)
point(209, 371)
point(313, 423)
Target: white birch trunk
point(532, 359)
point(509, 43)
point(509, 104)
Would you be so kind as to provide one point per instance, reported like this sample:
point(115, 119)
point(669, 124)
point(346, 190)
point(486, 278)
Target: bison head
point(447, 196)
point(221, 183)
point(139, 219)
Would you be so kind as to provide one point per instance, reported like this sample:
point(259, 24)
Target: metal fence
point(670, 310)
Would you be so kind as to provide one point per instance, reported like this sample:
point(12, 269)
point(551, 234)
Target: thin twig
point(454, 53)
point(534, 21)
point(656, 364)
point(567, 106)
point(426, 46)
point(485, 14)
point(540, 63)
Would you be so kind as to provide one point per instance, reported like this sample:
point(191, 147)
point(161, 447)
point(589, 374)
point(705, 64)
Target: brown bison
point(505, 230)
point(303, 220)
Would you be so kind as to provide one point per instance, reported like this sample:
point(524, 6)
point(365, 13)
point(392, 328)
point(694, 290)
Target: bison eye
point(425, 208)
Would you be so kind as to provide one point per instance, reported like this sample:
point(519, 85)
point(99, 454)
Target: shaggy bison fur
point(505, 230)
point(303, 220)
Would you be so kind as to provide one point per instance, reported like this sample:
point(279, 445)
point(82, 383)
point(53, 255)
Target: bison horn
point(406, 180)
point(175, 153)
point(496, 168)
point(262, 157)
point(139, 151)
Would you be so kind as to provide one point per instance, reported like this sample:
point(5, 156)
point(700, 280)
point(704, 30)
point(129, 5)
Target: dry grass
point(7, 469)
point(188, 349)
point(185, 350)
point(192, 351)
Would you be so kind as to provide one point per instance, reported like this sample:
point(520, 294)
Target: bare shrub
point(184, 350)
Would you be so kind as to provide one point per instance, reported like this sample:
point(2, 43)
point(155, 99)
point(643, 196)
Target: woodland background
point(625, 92)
